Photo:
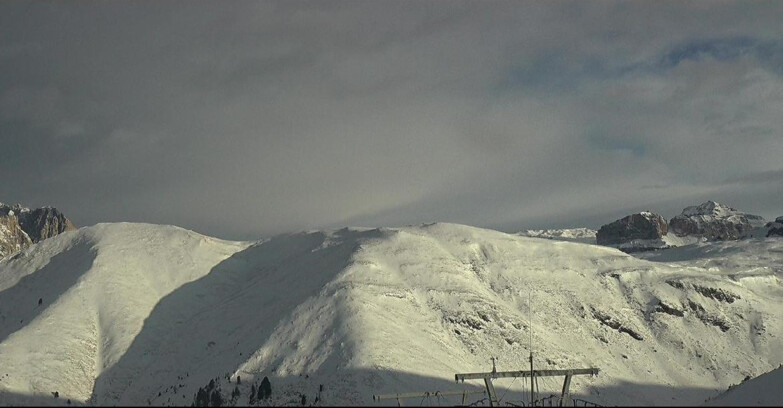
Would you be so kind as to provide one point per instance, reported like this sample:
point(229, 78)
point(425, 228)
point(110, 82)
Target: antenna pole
point(530, 324)
point(530, 317)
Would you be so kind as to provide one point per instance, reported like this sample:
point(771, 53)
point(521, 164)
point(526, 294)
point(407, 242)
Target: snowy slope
point(138, 314)
point(97, 286)
point(764, 390)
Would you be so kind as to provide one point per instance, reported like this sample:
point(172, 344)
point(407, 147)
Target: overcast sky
point(247, 119)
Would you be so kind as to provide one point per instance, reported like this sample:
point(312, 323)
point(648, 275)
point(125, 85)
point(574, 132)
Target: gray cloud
point(255, 118)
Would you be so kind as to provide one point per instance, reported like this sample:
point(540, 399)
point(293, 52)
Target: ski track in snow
point(139, 313)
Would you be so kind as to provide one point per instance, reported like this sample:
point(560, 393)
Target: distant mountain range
point(709, 221)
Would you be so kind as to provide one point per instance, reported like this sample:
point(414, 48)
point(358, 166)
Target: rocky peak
point(12, 237)
point(638, 228)
point(707, 208)
point(20, 226)
point(710, 208)
point(713, 220)
point(45, 222)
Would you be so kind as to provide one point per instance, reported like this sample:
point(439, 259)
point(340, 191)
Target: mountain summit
point(716, 221)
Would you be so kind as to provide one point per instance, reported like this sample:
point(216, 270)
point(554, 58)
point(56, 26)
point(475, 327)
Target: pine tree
point(265, 389)
point(202, 399)
point(217, 399)
point(252, 400)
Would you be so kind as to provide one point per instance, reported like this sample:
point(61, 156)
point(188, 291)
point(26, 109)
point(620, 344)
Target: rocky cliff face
point(640, 226)
point(42, 223)
point(20, 227)
point(775, 228)
point(12, 237)
point(770, 229)
point(713, 220)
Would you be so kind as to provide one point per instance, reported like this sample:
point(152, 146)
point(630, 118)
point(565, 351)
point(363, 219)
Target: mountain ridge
point(362, 311)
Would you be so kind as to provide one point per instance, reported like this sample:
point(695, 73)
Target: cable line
point(509, 387)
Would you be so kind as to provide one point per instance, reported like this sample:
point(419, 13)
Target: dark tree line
point(211, 395)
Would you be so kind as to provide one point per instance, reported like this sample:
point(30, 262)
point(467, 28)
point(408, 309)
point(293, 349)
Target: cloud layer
point(256, 118)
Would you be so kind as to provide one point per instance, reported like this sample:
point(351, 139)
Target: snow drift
point(145, 314)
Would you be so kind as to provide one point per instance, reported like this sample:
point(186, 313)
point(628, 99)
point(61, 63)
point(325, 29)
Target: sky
point(247, 119)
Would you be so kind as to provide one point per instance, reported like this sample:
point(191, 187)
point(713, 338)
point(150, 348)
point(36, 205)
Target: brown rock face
point(45, 222)
point(21, 227)
point(12, 237)
point(644, 225)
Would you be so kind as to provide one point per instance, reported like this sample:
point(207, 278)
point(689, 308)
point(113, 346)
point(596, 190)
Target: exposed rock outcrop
point(775, 228)
point(770, 229)
point(716, 221)
point(12, 237)
point(42, 223)
point(21, 227)
point(644, 226)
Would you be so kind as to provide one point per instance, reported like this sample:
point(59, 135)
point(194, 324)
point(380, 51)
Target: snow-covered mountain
point(583, 235)
point(713, 220)
point(146, 314)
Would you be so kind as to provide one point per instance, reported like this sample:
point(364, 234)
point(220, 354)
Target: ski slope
point(138, 314)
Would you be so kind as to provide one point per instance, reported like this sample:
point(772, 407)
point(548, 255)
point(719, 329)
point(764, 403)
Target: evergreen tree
point(217, 399)
point(265, 389)
point(304, 400)
point(239, 379)
point(252, 400)
point(202, 399)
